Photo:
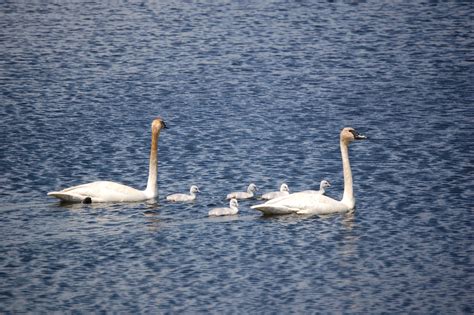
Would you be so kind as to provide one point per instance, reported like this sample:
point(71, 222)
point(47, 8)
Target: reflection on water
point(251, 92)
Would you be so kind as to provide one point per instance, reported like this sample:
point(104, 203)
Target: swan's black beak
point(358, 136)
point(163, 125)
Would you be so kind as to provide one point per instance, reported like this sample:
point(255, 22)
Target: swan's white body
point(232, 210)
point(184, 197)
point(251, 189)
point(284, 191)
point(106, 191)
point(313, 202)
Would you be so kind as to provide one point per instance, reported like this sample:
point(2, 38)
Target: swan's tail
point(66, 197)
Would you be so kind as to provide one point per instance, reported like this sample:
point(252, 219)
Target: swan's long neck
point(348, 197)
point(151, 186)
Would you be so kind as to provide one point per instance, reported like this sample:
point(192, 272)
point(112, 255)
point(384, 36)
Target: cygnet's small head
point(325, 184)
point(158, 124)
point(284, 187)
point(233, 203)
point(252, 188)
point(194, 189)
point(349, 134)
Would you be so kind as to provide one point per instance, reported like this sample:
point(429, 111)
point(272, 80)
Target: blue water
point(251, 92)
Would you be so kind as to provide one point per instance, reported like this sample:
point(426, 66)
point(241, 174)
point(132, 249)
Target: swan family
point(276, 203)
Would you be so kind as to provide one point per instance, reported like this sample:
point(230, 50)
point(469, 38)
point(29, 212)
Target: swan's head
point(194, 189)
point(325, 184)
point(252, 188)
point(349, 134)
point(158, 124)
point(284, 187)
point(233, 203)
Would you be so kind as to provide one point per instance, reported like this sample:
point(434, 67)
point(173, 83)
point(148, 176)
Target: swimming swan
point(312, 202)
point(244, 195)
point(284, 191)
point(184, 197)
point(233, 204)
point(105, 191)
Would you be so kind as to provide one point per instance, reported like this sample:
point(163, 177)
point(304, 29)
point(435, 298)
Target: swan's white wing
point(301, 202)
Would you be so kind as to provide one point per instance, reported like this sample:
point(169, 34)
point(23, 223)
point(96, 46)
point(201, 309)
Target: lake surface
point(251, 92)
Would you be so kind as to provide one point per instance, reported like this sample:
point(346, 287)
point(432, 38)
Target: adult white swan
point(232, 210)
point(284, 191)
point(251, 189)
point(312, 202)
point(105, 191)
point(185, 197)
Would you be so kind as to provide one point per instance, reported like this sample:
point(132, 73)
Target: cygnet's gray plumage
point(232, 210)
point(251, 189)
point(184, 197)
point(284, 191)
point(322, 187)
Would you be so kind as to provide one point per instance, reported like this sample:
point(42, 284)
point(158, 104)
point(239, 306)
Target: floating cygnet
point(284, 191)
point(244, 195)
point(233, 209)
point(322, 187)
point(184, 197)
